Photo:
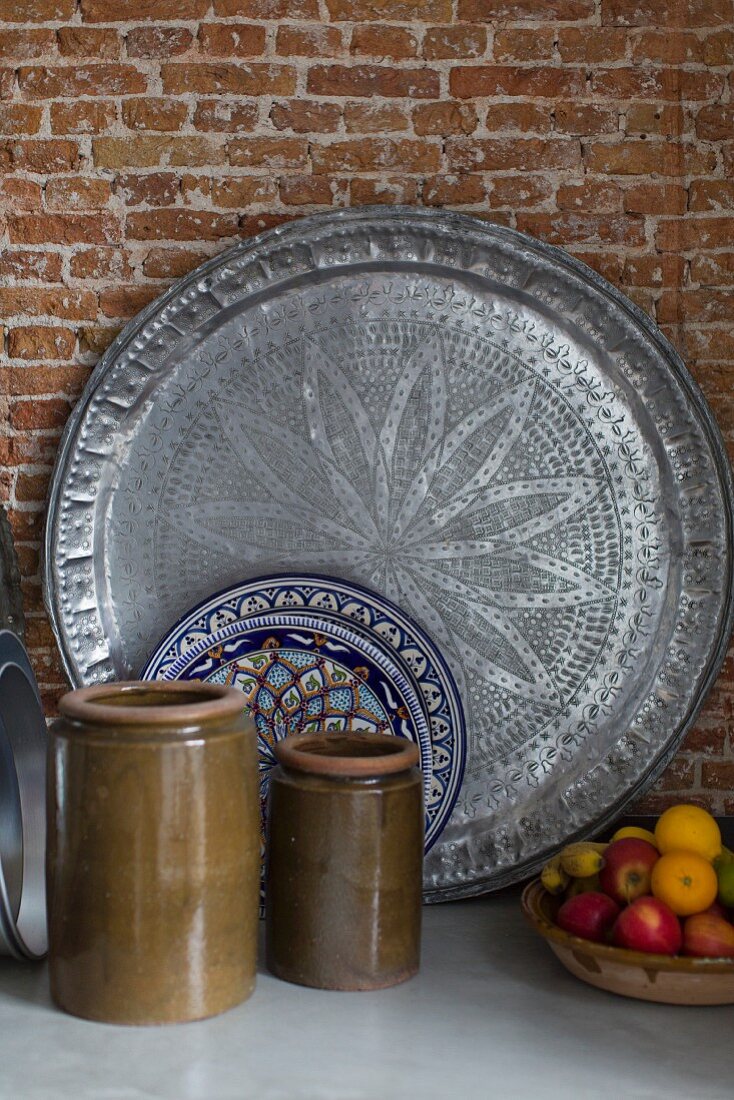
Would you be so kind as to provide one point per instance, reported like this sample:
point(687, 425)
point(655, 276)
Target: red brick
point(37, 11)
point(375, 154)
point(32, 487)
point(77, 193)
point(309, 190)
point(44, 157)
point(706, 739)
point(564, 10)
point(226, 77)
point(640, 158)
point(241, 191)
point(62, 228)
point(53, 379)
point(268, 152)
point(19, 194)
point(20, 265)
point(498, 80)
point(151, 189)
point(662, 46)
point(196, 189)
point(45, 413)
point(306, 116)
point(653, 271)
point(312, 40)
point(126, 301)
point(158, 41)
point(519, 116)
point(154, 114)
point(715, 122)
point(591, 45)
point(124, 11)
point(454, 190)
point(515, 191)
point(717, 270)
point(368, 80)
point(592, 195)
point(251, 224)
point(220, 116)
point(653, 118)
point(609, 265)
point(77, 80)
point(97, 42)
point(565, 227)
point(81, 117)
point(497, 154)
point(38, 342)
point(689, 13)
point(231, 39)
point(728, 157)
point(100, 263)
point(455, 42)
point(427, 11)
point(694, 234)
point(25, 44)
point(95, 339)
point(656, 198)
point(7, 81)
point(641, 83)
point(268, 9)
point(375, 118)
point(678, 776)
point(171, 263)
point(524, 44)
point(585, 119)
point(718, 775)
point(718, 49)
point(176, 224)
point(376, 40)
point(444, 118)
point(19, 118)
point(383, 192)
point(151, 150)
point(711, 195)
point(709, 306)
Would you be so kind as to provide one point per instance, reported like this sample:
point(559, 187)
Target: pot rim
point(111, 704)
point(359, 755)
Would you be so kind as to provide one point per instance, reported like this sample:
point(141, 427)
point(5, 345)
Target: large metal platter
point(465, 420)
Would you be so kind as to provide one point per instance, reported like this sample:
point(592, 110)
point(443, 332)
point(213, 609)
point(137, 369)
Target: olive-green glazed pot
point(153, 852)
point(344, 861)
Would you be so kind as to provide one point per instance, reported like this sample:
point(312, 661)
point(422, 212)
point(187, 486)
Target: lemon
point(685, 828)
point(726, 884)
point(637, 833)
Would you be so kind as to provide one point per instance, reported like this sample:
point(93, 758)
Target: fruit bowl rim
point(533, 897)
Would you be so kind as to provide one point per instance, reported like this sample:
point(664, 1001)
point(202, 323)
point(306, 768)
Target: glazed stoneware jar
point(344, 861)
point(153, 853)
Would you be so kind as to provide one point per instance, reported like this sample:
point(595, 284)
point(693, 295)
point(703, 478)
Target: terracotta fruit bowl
point(667, 979)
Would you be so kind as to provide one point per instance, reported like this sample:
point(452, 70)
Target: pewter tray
point(459, 417)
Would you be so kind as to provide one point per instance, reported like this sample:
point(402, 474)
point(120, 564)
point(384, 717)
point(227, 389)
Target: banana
point(554, 878)
point(583, 859)
point(582, 886)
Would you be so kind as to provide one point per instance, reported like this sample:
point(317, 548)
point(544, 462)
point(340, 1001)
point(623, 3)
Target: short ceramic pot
point(344, 861)
point(153, 854)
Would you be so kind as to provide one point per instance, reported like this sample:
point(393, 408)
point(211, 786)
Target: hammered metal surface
point(456, 416)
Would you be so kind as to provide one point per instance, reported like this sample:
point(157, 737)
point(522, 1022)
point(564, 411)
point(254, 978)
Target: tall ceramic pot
point(153, 854)
point(344, 861)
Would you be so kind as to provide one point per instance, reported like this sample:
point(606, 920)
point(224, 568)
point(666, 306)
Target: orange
point(637, 833)
point(689, 829)
point(685, 881)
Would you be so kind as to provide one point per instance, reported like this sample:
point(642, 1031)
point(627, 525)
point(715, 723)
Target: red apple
point(647, 924)
point(716, 909)
point(628, 865)
point(708, 935)
point(589, 915)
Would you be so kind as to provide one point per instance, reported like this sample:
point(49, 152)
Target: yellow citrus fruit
point(686, 828)
point(637, 833)
point(685, 881)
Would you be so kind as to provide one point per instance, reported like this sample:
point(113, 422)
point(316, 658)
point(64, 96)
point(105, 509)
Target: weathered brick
point(515, 191)
point(148, 151)
point(196, 189)
point(240, 191)
point(309, 190)
point(82, 117)
point(653, 118)
point(568, 226)
point(711, 306)
point(656, 198)
point(19, 194)
point(454, 190)
point(528, 154)
point(226, 77)
point(268, 9)
point(44, 157)
point(171, 263)
point(95, 339)
point(688, 13)
point(96, 42)
point(375, 154)
point(27, 43)
point(77, 193)
point(250, 224)
point(427, 11)
point(444, 118)
point(375, 118)
point(150, 189)
point(306, 116)
point(77, 80)
point(383, 192)
point(22, 265)
point(369, 80)
point(176, 224)
point(715, 122)
point(694, 233)
point(653, 271)
point(311, 40)
point(39, 342)
point(100, 263)
point(565, 10)
point(220, 116)
point(662, 46)
point(126, 301)
point(716, 270)
point(459, 42)
point(525, 44)
point(19, 118)
point(519, 116)
point(589, 45)
point(499, 80)
point(585, 119)
point(718, 48)
point(37, 11)
point(40, 413)
point(711, 195)
point(641, 158)
point(158, 41)
point(642, 83)
point(232, 39)
point(268, 152)
point(592, 195)
point(53, 379)
point(63, 228)
point(124, 11)
point(154, 114)
point(718, 775)
point(32, 487)
point(377, 40)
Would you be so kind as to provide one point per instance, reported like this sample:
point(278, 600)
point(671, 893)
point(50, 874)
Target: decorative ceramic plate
point(457, 416)
point(312, 654)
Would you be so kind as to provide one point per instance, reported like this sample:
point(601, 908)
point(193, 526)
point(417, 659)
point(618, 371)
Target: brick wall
point(139, 137)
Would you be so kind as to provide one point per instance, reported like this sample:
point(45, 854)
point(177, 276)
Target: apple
point(628, 865)
point(716, 909)
point(708, 935)
point(588, 915)
point(647, 924)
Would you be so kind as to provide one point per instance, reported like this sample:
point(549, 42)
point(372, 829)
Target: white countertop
point(491, 1015)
